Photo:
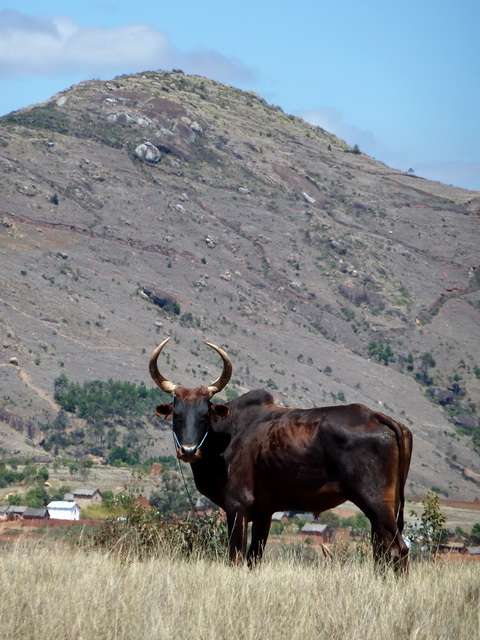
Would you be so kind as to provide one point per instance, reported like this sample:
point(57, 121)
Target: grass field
point(58, 594)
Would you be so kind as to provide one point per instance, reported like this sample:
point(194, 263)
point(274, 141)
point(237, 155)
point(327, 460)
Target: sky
point(400, 79)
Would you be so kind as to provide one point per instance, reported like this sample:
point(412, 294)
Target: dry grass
point(58, 594)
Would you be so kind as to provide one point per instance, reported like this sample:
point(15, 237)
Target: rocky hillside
point(163, 204)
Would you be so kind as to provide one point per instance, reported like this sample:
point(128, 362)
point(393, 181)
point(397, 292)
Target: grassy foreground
point(53, 594)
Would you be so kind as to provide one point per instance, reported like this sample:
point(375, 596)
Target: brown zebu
point(252, 457)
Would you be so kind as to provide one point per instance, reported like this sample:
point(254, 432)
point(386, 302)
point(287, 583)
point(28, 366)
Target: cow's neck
point(210, 472)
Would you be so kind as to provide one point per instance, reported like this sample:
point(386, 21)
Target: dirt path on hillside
point(26, 379)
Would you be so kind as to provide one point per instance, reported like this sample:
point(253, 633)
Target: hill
point(164, 204)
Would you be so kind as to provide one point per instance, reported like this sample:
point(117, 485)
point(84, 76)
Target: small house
point(4, 512)
point(84, 496)
point(321, 532)
point(451, 547)
point(15, 512)
point(63, 510)
point(32, 513)
point(280, 516)
point(474, 551)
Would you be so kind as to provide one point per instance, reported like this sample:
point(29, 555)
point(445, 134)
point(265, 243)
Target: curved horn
point(224, 378)
point(163, 383)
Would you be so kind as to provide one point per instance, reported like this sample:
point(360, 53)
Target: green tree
point(429, 532)
point(42, 474)
point(475, 535)
point(36, 497)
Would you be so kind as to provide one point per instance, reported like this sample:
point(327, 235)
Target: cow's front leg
point(237, 535)
point(260, 530)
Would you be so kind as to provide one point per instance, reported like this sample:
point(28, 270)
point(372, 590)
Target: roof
point(452, 545)
point(68, 497)
point(313, 527)
point(278, 515)
point(31, 512)
point(62, 504)
point(85, 492)
point(14, 508)
point(4, 508)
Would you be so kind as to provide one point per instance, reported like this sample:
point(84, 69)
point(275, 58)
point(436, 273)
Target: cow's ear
point(164, 410)
point(220, 410)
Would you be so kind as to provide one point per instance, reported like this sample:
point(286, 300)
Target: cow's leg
point(237, 535)
point(388, 544)
point(260, 530)
point(389, 547)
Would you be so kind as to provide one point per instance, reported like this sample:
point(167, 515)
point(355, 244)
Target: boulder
point(148, 152)
point(308, 198)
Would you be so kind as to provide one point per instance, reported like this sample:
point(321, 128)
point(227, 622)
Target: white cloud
point(59, 45)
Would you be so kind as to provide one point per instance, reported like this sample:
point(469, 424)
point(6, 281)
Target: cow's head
point(192, 410)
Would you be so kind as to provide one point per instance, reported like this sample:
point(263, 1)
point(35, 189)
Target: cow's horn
point(223, 380)
point(163, 383)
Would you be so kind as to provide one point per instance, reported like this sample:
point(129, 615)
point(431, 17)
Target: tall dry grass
point(58, 594)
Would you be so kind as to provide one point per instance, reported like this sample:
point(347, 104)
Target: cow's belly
point(285, 496)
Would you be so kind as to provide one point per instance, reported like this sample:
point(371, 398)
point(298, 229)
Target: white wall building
point(62, 510)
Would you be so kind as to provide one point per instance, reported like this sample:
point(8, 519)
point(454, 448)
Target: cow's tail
point(404, 441)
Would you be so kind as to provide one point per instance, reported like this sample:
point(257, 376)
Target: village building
point(280, 516)
point(452, 547)
point(84, 496)
point(63, 510)
point(15, 512)
point(32, 513)
point(474, 551)
point(320, 532)
point(4, 512)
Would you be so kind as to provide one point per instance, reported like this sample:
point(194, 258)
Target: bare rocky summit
point(164, 204)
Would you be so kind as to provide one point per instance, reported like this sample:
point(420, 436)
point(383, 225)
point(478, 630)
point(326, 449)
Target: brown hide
point(263, 458)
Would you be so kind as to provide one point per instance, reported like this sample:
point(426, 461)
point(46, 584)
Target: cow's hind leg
point(389, 548)
point(237, 535)
point(260, 530)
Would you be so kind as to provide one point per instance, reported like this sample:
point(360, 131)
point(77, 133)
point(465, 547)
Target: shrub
point(382, 352)
point(147, 534)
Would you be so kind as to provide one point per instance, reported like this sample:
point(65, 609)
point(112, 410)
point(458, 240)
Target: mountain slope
point(163, 204)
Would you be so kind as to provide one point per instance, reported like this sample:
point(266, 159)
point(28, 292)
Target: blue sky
point(401, 80)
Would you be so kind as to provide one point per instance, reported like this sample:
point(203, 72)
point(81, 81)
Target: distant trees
point(381, 351)
point(104, 405)
point(98, 400)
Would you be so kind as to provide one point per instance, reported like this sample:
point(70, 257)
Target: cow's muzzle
point(189, 452)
